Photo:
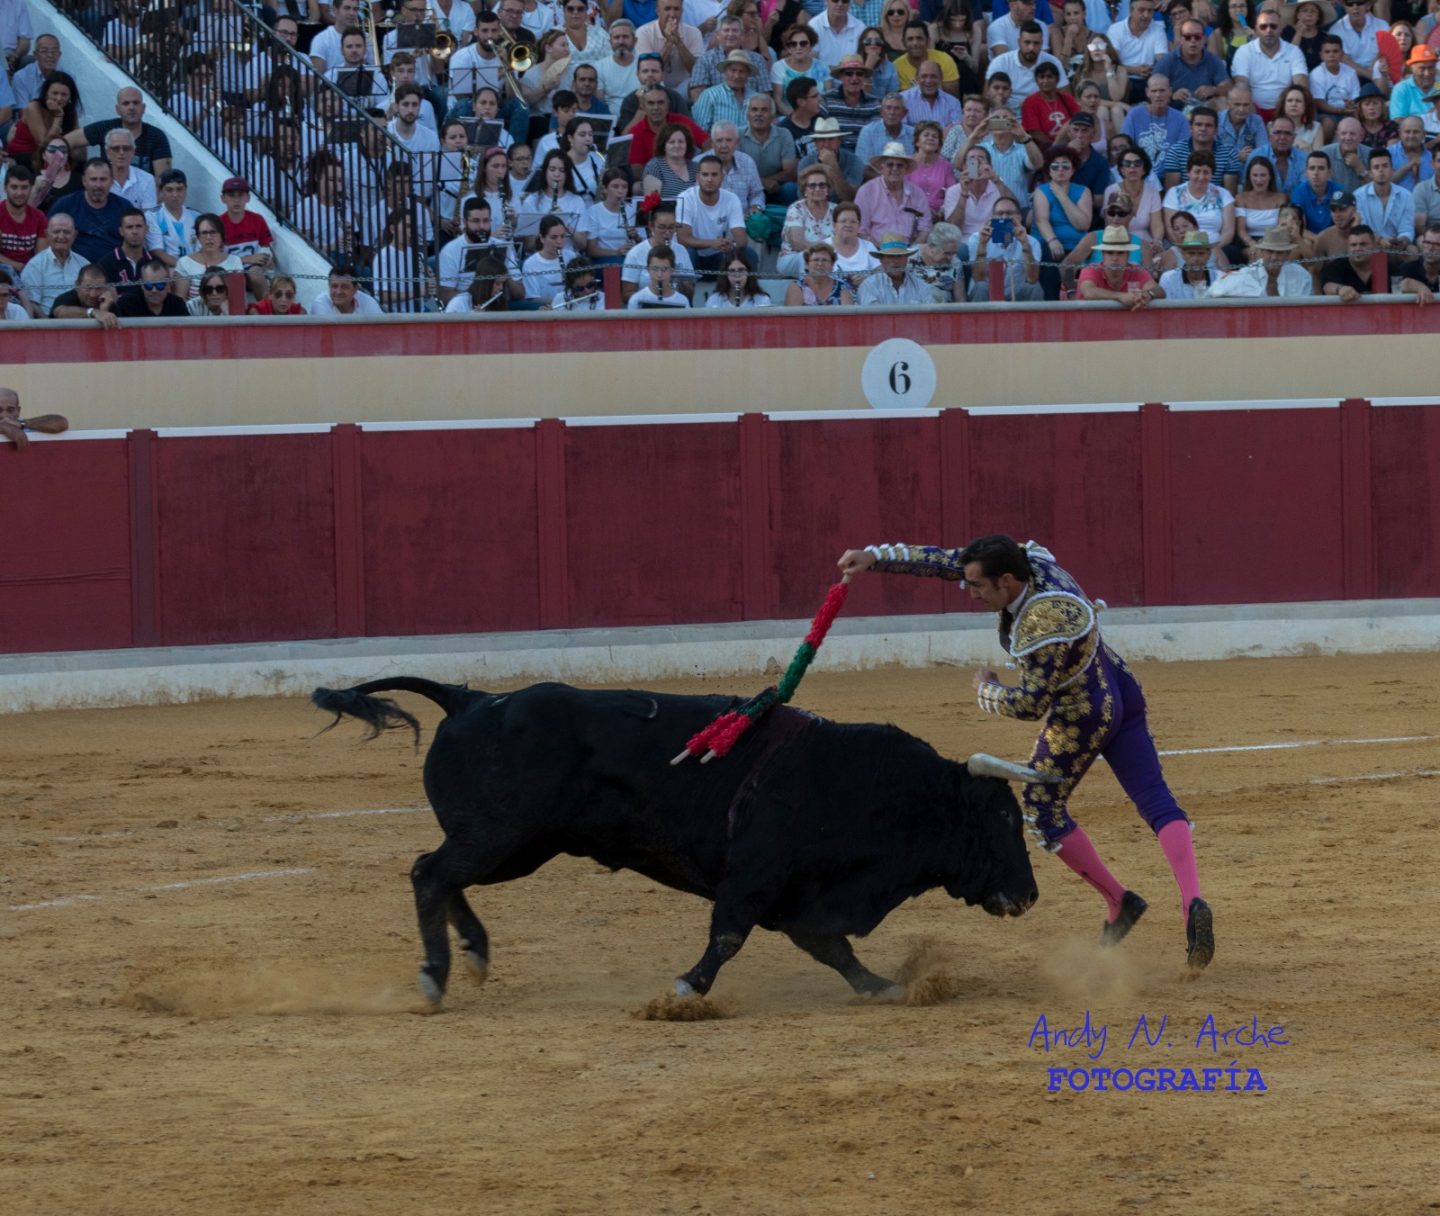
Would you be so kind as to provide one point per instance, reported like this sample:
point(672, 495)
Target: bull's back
point(588, 772)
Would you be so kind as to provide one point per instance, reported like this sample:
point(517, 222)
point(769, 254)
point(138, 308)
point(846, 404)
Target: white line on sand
point(1280, 747)
point(66, 901)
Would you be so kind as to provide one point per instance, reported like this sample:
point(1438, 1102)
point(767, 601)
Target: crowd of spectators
point(735, 154)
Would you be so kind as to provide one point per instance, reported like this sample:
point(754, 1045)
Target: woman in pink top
point(970, 201)
point(1146, 218)
point(931, 172)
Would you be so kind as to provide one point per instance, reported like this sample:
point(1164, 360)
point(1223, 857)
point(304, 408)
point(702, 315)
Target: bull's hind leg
point(474, 941)
point(434, 894)
point(834, 950)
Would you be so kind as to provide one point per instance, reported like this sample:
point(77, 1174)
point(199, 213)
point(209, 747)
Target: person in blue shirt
point(96, 212)
point(1316, 193)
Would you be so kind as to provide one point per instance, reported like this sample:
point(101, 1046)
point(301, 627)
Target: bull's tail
point(381, 713)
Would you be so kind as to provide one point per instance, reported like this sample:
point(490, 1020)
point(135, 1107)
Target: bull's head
point(1000, 879)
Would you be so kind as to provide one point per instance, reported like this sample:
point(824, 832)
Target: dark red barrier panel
point(653, 524)
point(845, 484)
point(65, 556)
point(1256, 506)
point(1405, 441)
point(246, 538)
point(1070, 481)
point(450, 521)
point(184, 540)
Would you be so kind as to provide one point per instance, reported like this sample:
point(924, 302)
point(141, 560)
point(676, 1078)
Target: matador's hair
point(997, 555)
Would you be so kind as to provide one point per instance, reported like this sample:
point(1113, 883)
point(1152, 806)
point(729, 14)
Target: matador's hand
point(854, 561)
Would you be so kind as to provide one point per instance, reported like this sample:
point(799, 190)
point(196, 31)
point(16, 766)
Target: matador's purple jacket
point(1090, 703)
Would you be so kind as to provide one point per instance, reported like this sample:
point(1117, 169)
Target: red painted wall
point(189, 540)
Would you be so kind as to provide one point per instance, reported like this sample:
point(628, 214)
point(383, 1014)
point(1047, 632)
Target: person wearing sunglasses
point(1357, 30)
point(1269, 64)
point(281, 301)
point(154, 297)
point(1194, 72)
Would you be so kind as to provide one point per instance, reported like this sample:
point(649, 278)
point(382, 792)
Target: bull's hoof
point(478, 967)
point(1132, 908)
point(429, 989)
point(682, 988)
point(1199, 935)
point(890, 992)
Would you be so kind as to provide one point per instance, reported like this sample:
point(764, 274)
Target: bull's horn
point(983, 765)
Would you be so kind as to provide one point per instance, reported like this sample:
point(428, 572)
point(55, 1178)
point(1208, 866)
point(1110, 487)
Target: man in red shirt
point(247, 235)
point(656, 113)
point(22, 227)
point(1117, 278)
point(1047, 109)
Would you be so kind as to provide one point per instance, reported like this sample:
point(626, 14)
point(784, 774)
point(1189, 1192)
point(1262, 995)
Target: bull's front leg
point(834, 950)
point(730, 924)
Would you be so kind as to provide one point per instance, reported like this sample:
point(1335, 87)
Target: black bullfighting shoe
point(1199, 935)
point(1132, 908)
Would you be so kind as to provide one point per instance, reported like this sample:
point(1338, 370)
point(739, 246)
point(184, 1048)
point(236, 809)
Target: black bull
point(808, 827)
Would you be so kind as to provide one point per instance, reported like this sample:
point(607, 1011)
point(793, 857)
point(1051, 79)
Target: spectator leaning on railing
point(17, 429)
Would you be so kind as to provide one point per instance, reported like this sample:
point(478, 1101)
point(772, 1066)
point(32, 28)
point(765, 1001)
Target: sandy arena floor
point(206, 976)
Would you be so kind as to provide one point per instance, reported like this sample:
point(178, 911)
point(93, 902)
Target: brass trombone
point(445, 44)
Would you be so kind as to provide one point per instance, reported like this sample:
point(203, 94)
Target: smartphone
point(972, 166)
point(998, 122)
point(1002, 230)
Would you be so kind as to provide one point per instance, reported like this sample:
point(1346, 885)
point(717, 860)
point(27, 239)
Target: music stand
point(357, 83)
point(347, 130)
point(482, 132)
point(418, 36)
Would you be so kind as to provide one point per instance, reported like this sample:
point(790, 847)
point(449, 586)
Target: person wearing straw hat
point(851, 103)
point(1117, 278)
point(1273, 275)
point(725, 102)
point(888, 203)
point(844, 170)
point(1088, 704)
point(895, 282)
point(1191, 280)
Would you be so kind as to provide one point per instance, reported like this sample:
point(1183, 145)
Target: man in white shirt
point(325, 51)
point(1020, 65)
point(353, 74)
point(477, 66)
point(137, 189)
point(1139, 41)
point(710, 221)
point(1357, 30)
point(635, 273)
point(839, 32)
point(1003, 33)
point(53, 271)
point(1269, 65)
point(343, 299)
point(406, 127)
point(414, 12)
point(677, 44)
point(617, 74)
point(455, 268)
